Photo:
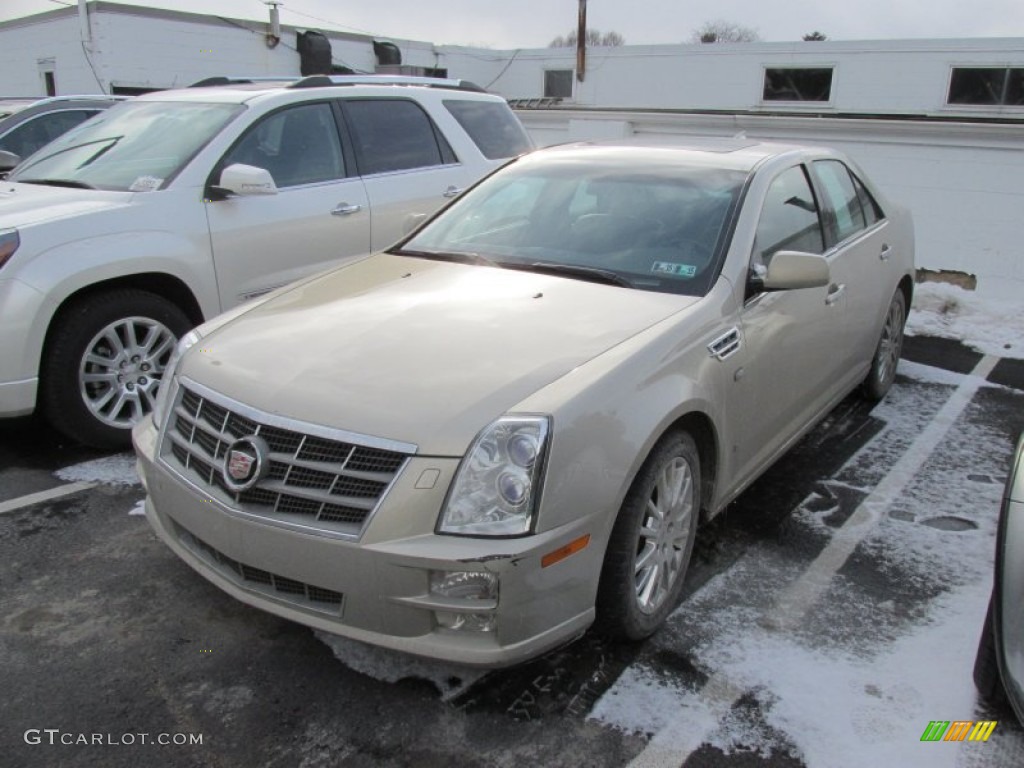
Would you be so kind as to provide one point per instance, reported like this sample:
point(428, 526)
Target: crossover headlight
point(497, 486)
point(9, 242)
point(167, 378)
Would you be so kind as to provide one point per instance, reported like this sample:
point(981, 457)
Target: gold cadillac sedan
point(513, 423)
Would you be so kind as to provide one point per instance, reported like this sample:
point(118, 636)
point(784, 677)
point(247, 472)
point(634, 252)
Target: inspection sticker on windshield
point(671, 268)
point(146, 184)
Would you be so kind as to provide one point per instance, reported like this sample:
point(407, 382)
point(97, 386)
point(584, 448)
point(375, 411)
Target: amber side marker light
point(561, 553)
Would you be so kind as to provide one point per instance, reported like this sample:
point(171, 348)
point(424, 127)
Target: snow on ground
point(991, 326)
point(888, 648)
point(110, 470)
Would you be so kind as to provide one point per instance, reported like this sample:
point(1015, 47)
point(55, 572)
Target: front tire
point(888, 351)
point(104, 362)
point(651, 542)
point(986, 666)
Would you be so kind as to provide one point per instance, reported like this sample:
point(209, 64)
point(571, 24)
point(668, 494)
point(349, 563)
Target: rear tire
point(652, 540)
point(104, 361)
point(887, 353)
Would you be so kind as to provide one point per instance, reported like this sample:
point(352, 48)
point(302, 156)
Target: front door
point(791, 354)
point(319, 216)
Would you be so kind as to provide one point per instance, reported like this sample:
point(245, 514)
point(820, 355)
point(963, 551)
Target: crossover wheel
point(887, 353)
point(651, 542)
point(105, 361)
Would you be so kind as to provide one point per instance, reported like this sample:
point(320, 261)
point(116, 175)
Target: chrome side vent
point(726, 345)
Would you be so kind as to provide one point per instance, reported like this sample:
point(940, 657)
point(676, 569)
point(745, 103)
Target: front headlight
point(496, 489)
point(167, 377)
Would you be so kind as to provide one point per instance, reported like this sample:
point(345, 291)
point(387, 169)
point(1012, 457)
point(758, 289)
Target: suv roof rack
point(241, 80)
point(321, 81)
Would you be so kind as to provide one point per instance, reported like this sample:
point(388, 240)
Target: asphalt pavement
point(114, 653)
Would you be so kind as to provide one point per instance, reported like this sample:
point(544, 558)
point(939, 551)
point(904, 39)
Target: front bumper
point(377, 589)
point(21, 330)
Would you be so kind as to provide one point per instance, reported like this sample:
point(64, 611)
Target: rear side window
point(492, 127)
point(842, 199)
point(394, 135)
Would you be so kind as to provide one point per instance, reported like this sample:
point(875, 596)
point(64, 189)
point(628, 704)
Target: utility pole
point(581, 43)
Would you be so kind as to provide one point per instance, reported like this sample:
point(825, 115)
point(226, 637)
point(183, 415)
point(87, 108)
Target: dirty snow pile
point(392, 666)
point(991, 326)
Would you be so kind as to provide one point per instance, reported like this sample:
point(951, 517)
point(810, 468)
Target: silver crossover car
point(999, 666)
point(473, 445)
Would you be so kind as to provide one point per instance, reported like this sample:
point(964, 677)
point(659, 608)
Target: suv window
point(298, 145)
point(842, 198)
point(491, 126)
point(394, 135)
point(789, 219)
point(39, 131)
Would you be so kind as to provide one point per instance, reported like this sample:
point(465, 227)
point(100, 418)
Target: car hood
point(423, 352)
point(23, 205)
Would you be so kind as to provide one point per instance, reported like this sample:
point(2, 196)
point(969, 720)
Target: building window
point(558, 83)
point(798, 84)
point(994, 86)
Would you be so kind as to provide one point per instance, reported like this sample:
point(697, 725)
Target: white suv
point(171, 208)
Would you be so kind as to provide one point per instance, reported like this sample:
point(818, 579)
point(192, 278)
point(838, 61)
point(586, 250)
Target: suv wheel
point(104, 362)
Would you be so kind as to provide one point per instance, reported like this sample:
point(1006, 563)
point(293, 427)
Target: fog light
point(476, 590)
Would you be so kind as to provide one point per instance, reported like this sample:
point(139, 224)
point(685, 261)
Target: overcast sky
point(533, 23)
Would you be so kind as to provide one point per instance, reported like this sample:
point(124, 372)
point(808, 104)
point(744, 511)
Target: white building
point(939, 124)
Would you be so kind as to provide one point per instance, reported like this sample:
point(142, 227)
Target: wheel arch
point(159, 283)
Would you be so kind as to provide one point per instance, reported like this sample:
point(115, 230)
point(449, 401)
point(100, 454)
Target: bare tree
point(724, 32)
point(815, 36)
point(594, 39)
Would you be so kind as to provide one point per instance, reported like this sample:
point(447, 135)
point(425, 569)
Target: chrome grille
point(310, 481)
point(296, 592)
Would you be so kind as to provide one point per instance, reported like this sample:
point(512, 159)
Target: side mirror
point(8, 160)
point(245, 180)
point(789, 270)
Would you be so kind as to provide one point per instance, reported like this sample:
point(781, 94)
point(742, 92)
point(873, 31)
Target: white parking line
point(35, 498)
point(684, 734)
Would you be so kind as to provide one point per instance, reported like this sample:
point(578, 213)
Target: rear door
point(859, 260)
point(407, 164)
point(318, 217)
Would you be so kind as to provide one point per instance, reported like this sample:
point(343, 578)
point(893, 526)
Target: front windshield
point(647, 225)
point(136, 146)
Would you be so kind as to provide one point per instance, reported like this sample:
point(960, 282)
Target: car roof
point(735, 153)
point(248, 90)
point(24, 108)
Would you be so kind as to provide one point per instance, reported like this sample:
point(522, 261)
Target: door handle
point(885, 253)
point(834, 292)
point(452, 191)
point(344, 209)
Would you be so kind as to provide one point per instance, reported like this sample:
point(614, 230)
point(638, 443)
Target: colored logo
point(959, 730)
point(244, 463)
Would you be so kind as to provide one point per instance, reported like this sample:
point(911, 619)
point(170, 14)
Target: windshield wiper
point(593, 274)
point(72, 183)
point(112, 139)
point(462, 257)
